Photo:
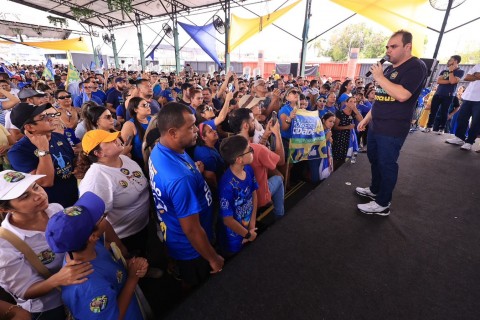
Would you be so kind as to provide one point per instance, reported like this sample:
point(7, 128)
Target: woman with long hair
point(134, 129)
point(94, 117)
point(345, 93)
point(343, 131)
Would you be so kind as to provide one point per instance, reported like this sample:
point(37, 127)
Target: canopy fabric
point(394, 15)
point(204, 36)
point(75, 44)
point(241, 29)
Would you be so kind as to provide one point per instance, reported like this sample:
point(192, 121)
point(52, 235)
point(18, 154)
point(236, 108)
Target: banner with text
point(308, 138)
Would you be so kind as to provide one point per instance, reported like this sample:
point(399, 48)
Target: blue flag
point(101, 61)
point(92, 65)
point(204, 37)
point(4, 68)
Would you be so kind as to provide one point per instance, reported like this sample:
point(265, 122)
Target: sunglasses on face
point(321, 101)
point(294, 92)
point(207, 109)
point(145, 105)
point(65, 97)
point(108, 117)
point(47, 116)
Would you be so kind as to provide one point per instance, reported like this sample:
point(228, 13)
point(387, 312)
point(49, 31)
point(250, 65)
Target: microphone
point(382, 61)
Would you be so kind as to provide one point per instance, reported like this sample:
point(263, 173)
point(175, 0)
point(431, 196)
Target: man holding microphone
point(389, 120)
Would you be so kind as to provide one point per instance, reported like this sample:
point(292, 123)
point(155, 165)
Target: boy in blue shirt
point(109, 291)
point(238, 196)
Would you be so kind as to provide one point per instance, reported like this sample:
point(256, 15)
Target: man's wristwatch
point(41, 153)
point(247, 236)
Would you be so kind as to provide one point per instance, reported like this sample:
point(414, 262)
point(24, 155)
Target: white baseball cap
point(13, 183)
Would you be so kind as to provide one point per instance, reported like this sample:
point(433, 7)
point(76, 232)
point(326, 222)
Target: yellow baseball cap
point(93, 138)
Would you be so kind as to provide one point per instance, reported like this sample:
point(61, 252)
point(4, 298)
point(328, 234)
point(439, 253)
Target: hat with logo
point(13, 183)
point(248, 101)
point(167, 94)
point(120, 79)
point(93, 138)
point(68, 230)
point(16, 77)
point(24, 112)
point(29, 93)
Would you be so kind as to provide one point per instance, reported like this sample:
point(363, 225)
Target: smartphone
point(129, 140)
point(274, 118)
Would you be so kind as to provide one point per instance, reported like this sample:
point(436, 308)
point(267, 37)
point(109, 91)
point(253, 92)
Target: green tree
point(371, 43)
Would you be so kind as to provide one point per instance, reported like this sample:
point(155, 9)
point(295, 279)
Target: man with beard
point(145, 91)
point(270, 103)
point(389, 119)
point(182, 198)
point(114, 97)
point(271, 189)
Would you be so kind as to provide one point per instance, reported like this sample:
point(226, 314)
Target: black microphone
point(382, 61)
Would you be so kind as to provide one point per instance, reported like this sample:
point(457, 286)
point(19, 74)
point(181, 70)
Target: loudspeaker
point(294, 69)
point(431, 65)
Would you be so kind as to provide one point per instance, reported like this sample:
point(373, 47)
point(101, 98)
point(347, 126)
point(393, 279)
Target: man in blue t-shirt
point(389, 120)
point(182, 198)
point(446, 90)
point(42, 151)
point(114, 97)
point(86, 94)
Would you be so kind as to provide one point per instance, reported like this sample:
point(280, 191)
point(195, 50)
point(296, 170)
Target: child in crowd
point(326, 165)
point(108, 292)
point(238, 197)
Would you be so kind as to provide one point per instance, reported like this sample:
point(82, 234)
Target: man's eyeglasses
point(65, 97)
point(250, 149)
point(47, 116)
point(91, 87)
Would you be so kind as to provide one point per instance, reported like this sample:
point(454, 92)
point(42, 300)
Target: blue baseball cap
point(167, 94)
point(68, 230)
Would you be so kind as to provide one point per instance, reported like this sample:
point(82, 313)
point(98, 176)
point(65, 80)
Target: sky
point(276, 44)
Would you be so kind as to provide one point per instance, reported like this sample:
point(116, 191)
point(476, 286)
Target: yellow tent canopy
point(241, 29)
point(76, 44)
point(394, 15)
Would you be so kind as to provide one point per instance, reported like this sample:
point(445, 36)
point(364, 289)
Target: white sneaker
point(365, 192)
point(455, 140)
point(439, 132)
point(427, 130)
point(466, 146)
point(373, 208)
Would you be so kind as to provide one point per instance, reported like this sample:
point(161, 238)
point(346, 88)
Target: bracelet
point(10, 309)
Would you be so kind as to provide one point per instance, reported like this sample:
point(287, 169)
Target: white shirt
point(472, 93)
point(16, 273)
point(125, 193)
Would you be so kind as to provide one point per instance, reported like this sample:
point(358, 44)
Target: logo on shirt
point(125, 171)
point(137, 174)
point(394, 75)
point(98, 304)
point(46, 256)
point(13, 176)
point(123, 183)
point(119, 276)
point(73, 211)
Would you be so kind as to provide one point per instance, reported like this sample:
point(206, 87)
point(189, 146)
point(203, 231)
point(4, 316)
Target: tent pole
point(114, 45)
point(140, 41)
point(227, 34)
point(175, 40)
point(442, 30)
point(306, 25)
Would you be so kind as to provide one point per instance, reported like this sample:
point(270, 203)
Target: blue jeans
point(275, 184)
point(467, 110)
point(439, 112)
point(383, 152)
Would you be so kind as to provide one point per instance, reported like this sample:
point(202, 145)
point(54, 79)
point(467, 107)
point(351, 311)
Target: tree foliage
point(371, 43)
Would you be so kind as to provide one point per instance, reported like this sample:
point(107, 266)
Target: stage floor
point(325, 260)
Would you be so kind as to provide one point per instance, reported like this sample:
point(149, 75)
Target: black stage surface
point(325, 260)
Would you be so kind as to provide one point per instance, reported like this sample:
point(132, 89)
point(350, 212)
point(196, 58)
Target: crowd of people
point(197, 155)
